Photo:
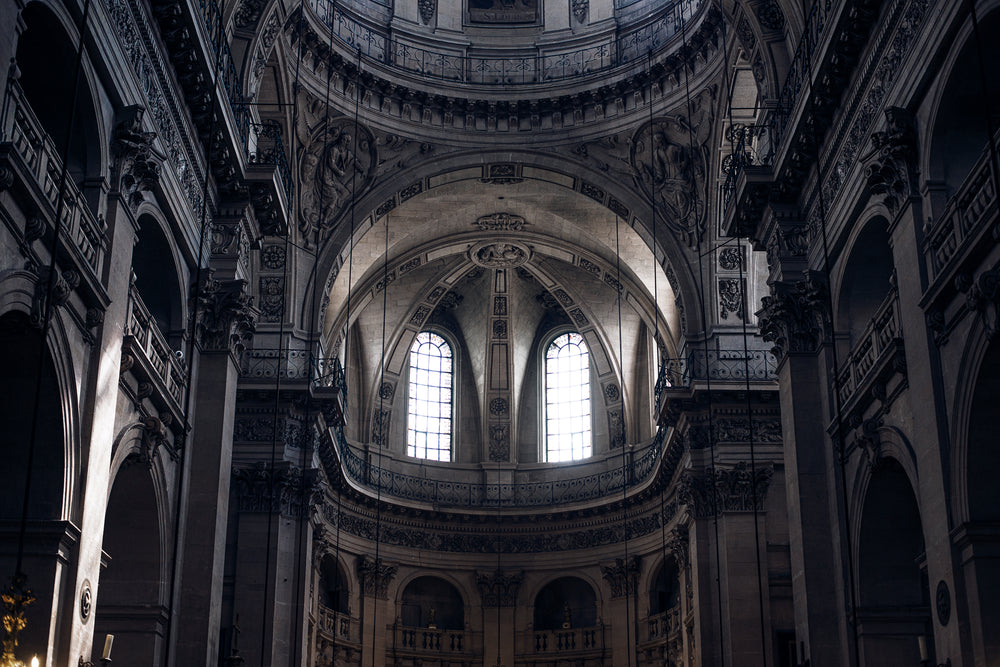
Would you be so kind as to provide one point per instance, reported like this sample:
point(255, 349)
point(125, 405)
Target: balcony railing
point(570, 640)
point(878, 341)
point(338, 626)
point(965, 216)
point(664, 624)
point(752, 146)
point(444, 492)
point(266, 148)
point(431, 640)
point(143, 338)
point(211, 15)
point(24, 132)
point(717, 366)
point(375, 44)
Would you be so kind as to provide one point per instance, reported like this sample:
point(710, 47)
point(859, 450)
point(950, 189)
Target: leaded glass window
point(429, 411)
point(567, 399)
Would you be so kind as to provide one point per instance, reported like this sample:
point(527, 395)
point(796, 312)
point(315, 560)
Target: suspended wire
point(708, 376)
point(47, 311)
point(192, 334)
point(838, 407)
point(627, 580)
point(744, 315)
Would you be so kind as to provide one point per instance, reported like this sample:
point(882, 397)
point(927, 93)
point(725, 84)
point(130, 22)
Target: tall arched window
point(428, 423)
point(567, 399)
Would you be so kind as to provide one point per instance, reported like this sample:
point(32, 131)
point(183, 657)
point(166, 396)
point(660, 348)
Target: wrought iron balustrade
point(375, 43)
point(965, 216)
point(25, 134)
point(876, 343)
point(265, 147)
point(229, 74)
point(405, 486)
point(717, 366)
point(752, 146)
point(144, 338)
point(270, 363)
point(801, 67)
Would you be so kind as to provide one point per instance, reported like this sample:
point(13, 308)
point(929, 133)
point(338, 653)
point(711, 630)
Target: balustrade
point(145, 341)
point(563, 641)
point(874, 346)
point(430, 640)
point(375, 43)
point(337, 626)
point(965, 216)
point(664, 624)
point(24, 133)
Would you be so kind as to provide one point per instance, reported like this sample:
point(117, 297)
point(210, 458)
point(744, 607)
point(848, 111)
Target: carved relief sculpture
point(336, 165)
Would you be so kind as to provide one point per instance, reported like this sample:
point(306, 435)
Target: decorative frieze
point(499, 589)
point(285, 490)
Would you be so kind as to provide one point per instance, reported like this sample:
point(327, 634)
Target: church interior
point(520, 333)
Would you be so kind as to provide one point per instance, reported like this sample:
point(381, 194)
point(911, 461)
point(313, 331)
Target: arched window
point(567, 399)
point(428, 423)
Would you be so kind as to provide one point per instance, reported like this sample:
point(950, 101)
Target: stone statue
point(567, 623)
point(335, 165)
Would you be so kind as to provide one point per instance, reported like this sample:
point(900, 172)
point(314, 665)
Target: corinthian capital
point(135, 169)
point(225, 316)
point(794, 316)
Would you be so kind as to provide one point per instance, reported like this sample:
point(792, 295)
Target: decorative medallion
point(943, 602)
point(273, 257)
point(499, 254)
point(86, 601)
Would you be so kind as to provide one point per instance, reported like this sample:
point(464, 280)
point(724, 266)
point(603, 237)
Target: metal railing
point(376, 44)
point(753, 146)
point(143, 336)
point(872, 346)
point(718, 366)
point(965, 215)
point(25, 133)
point(480, 494)
point(264, 147)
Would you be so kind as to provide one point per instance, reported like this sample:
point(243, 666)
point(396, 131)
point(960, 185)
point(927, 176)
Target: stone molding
point(134, 171)
point(794, 317)
point(225, 319)
point(892, 173)
point(286, 490)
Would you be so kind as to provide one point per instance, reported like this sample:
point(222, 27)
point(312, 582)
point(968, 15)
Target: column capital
point(375, 575)
point(622, 576)
point(794, 318)
point(499, 589)
point(225, 316)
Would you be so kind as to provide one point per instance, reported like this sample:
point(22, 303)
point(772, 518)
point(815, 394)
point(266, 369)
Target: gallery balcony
point(545, 646)
point(409, 643)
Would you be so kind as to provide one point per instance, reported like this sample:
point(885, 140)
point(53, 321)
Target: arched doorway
point(130, 596)
point(430, 602)
point(894, 600)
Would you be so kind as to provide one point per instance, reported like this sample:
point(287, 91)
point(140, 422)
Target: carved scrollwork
point(794, 316)
point(499, 254)
point(622, 576)
point(375, 576)
point(226, 319)
point(286, 490)
point(499, 589)
point(719, 489)
point(134, 169)
point(893, 173)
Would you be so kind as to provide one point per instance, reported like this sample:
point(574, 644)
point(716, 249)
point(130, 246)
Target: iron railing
point(376, 44)
point(264, 147)
point(717, 366)
point(517, 494)
point(752, 146)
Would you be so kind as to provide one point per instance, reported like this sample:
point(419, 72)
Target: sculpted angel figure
point(329, 166)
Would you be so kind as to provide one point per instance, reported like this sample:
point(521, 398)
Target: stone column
point(623, 578)
point(375, 576)
point(499, 595)
point(794, 319)
point(225, 321)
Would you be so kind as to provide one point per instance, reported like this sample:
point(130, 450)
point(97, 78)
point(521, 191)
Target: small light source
point(108, 641)
point(922, 645)
point(34, 661)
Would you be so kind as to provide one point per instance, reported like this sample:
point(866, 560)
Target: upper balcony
point(248, 157)
point(34, 161)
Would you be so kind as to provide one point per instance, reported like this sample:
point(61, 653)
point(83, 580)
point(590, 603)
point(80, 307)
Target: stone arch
point(157, 272)
point(425, 593)
point(131, 600)
point(386, 194)
point(865, 278)
point(665, 586)
point(956, 133)
point(552, 599)
point(46, 55)
point(894, 604)
point(334, 586)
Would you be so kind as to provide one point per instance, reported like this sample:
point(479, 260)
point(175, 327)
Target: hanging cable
point(19, 577)
point(744, 315)
point(708, 375)
point(192, 333)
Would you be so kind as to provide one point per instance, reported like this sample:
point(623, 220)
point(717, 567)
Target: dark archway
point(432, 602)
point(665, 591)
point(129, 603)
point(867, 280)
point(156, 277)
point(894, 599)
point(46, 57)
point(566, 595)
point(31, 430)
point(333, 591)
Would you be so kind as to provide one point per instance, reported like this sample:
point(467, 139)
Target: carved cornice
point(725, 489)
point(498, 589)
point(622, 576)
point(794, 317)
point(375, 576)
